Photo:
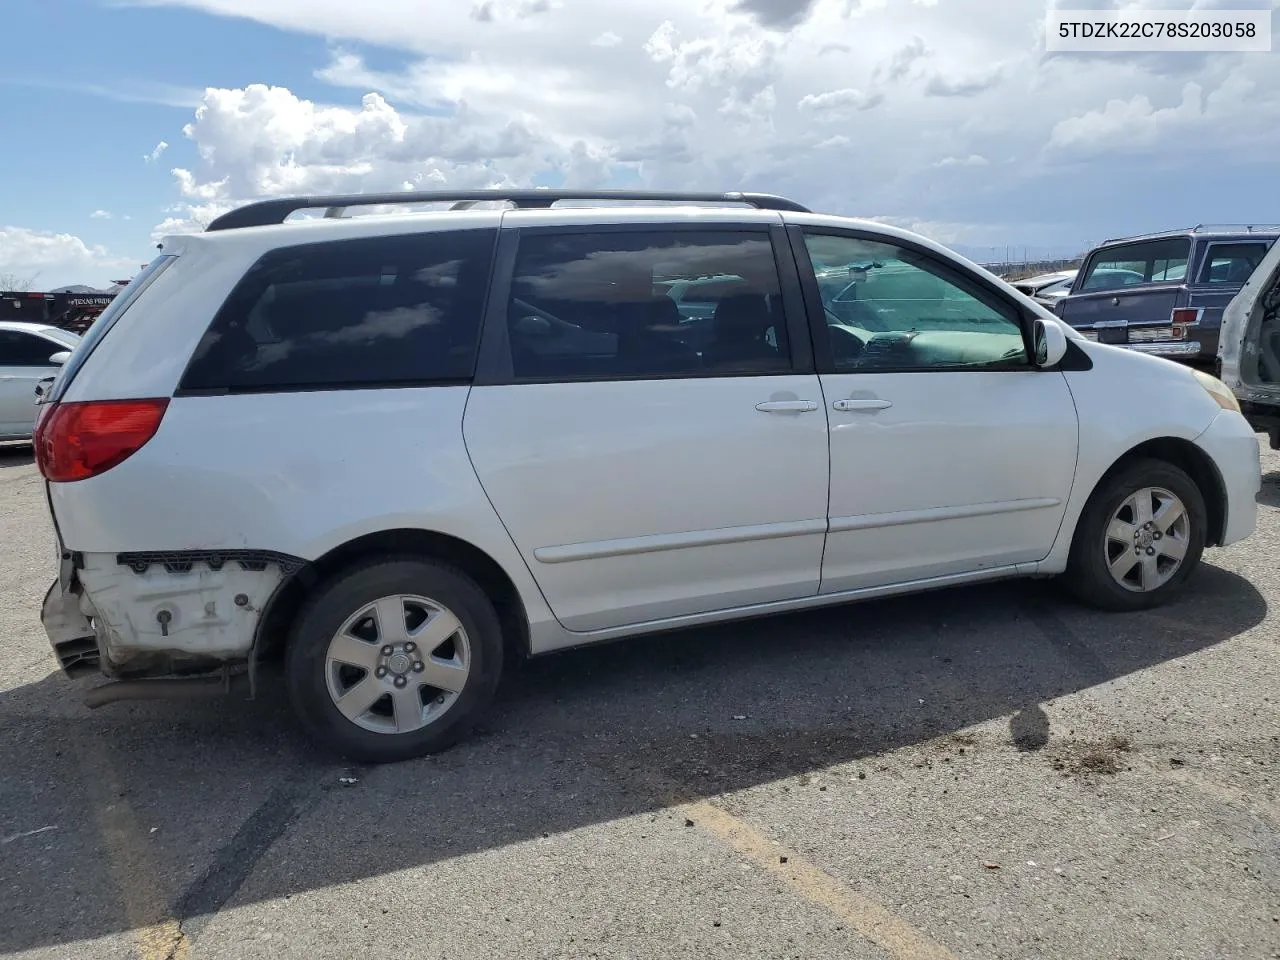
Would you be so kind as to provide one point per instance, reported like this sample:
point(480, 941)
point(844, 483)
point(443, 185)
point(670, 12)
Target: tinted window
point(370, 312)
point(1231, 262)
point(617, 305)
point(890, 307)
point(1152, 261)
point(25, 350)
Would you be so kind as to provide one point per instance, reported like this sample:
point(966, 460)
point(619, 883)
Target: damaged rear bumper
point(160, 614)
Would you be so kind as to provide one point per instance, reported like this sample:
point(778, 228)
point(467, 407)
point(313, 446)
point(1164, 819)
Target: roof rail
point(1233, 227)
point(1201, 228)
point(266, 212)
point(1154, 235)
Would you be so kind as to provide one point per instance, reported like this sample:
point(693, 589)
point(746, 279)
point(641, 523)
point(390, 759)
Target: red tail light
point(1185, 316)
point(75, 441)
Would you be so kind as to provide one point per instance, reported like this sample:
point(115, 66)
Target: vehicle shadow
point(1269, 495)
point(180, 809)
point(16, 453)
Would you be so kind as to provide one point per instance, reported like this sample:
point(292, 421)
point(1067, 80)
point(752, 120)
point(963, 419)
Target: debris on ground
point(348, 780)
point(25, 834)
point(990, 865)
point(1102, 757)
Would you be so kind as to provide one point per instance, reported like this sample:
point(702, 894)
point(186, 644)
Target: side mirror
point(61, 357)
point(1051, 344)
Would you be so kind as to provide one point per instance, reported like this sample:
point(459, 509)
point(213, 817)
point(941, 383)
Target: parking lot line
point(871, 920)
point(157, 933)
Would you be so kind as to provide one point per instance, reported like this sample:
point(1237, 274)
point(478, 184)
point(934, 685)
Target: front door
point(950, 453)
point(648, 467)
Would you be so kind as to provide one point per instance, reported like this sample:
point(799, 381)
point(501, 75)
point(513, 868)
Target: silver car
point(29, 353)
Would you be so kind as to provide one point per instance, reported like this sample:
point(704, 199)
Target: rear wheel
point(394, 659)
point(1139, 538)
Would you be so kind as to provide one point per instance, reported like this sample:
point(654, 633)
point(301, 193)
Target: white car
point(1047, 288)
point(29, 353)
point(401, 450)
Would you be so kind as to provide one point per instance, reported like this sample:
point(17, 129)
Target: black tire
point(1087, 575)
point(335, 601)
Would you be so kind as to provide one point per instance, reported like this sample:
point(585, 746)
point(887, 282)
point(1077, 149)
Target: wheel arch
point(273, 627)
point(1188, 457)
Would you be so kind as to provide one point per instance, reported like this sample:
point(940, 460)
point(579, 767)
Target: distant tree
point(13, 281)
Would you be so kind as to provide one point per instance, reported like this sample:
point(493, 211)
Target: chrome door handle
point(787, 406)
point(846, 406)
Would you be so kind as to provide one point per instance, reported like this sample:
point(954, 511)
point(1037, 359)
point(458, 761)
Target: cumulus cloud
point(701, 97)
point(154, 155)
point(972, 160)
point(57, 259)
point(839, 101)
point(100, 215)
point(962, 85)
point(903, 60)
point(1136, 124)
point(780, 14)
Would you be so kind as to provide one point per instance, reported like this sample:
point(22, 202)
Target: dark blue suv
point(1164, 293)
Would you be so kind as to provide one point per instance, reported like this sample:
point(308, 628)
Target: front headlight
point(1218, 390)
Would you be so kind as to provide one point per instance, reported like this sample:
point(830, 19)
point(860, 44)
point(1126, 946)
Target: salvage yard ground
point(980, 773)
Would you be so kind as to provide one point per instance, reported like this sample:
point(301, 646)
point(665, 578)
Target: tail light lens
point(75, 441)
point(1182, 318)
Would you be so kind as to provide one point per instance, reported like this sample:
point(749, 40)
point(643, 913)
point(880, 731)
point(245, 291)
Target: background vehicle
point(1046, 288)
point(29, 353)
point(541, 456)
point(73, 311)
point(1164, 293)
point(1249, 350)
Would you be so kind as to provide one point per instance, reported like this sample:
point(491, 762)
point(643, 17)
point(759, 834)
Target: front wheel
point(394, 659)
point(1138, 539)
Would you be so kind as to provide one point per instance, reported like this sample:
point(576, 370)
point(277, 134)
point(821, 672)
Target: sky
point(126, 120)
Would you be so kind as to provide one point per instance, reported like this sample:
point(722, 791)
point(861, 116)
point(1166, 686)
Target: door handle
point(787, 406)
point(847, 406)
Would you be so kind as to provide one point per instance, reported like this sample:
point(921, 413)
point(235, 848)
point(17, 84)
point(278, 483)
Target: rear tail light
point(75, 441)
point(1182, 318)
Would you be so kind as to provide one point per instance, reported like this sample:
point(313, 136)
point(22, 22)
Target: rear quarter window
point(1231, 263)
point(373, 312)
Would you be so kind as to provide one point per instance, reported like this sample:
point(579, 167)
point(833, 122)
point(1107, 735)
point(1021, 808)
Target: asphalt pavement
point(990, 772)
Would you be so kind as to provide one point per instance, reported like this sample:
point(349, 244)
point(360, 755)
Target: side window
point(892, 308)
point(373, 312)
point(1151, 261)
point(26, 350)
point(1231, 262)
point(646, 304)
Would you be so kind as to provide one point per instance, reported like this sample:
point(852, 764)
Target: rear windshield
point(1149, 261)
point(373, 312)
point(104, 322)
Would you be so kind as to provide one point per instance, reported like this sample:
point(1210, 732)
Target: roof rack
point(1233, 227)
point(266, 212)
point(1201, 228)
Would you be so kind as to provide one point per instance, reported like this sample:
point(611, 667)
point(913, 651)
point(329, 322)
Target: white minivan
point(399, 450)
point(1249, 346)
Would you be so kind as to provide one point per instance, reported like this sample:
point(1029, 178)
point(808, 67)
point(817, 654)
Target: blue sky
point(941, 115)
